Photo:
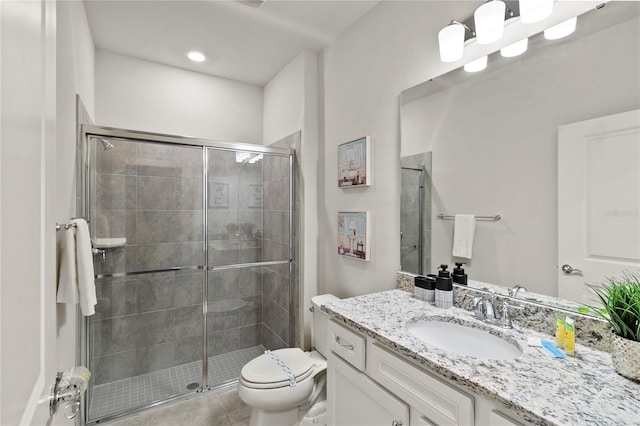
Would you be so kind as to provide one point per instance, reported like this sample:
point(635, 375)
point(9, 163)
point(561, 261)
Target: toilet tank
point(320, 322)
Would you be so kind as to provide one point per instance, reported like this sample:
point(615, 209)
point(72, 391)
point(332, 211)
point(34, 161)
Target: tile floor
point(214, 408)
point(143, 390)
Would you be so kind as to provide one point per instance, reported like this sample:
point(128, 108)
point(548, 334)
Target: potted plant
point(620, 299)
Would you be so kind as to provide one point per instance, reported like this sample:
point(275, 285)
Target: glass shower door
point(249, 258)
point(146, 213)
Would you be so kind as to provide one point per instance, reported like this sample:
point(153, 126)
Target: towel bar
point(65, 226)
point(495, 217)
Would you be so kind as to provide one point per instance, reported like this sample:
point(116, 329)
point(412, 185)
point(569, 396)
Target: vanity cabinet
point(369, 385)
point(353, 399)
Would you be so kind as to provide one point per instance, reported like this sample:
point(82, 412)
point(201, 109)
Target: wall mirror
point(494, 139)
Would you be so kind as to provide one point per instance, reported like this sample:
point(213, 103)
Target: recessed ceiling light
point(196, 56)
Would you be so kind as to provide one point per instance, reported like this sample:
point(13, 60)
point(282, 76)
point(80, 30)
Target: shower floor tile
point(140, 391)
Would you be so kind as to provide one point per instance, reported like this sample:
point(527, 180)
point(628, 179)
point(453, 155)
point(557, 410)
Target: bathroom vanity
point(380, 374)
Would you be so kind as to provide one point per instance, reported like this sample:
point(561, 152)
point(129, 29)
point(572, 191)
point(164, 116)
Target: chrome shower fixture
point(106, 144)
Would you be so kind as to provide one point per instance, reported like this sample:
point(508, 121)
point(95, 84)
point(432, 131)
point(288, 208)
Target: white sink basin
point(463, 340)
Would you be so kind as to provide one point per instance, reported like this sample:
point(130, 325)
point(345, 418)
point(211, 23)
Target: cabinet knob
point(396, 423)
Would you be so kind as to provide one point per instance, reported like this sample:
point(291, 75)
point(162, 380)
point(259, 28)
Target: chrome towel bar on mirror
point(495, 217)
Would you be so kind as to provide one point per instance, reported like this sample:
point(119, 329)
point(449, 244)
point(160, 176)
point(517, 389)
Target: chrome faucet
point(513, 291)
point(485, 310)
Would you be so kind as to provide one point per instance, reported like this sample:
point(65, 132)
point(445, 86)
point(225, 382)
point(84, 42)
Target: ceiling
point(241, 42)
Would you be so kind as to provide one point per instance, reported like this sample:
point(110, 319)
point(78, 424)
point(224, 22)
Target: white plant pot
point(625, 355)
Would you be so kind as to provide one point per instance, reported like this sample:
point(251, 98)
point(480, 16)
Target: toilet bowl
point(286, 387)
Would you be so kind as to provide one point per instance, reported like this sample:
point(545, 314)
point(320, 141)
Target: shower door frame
point(83, 202)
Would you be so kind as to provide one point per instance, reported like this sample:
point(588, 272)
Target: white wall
point(290, 105)
point(283, 103)
point(390, 49)
point(140, 95)
point(75, 75)
point(494, 143)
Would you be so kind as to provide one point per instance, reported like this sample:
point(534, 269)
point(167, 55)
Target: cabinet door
point(355, 400)
point(496, 418)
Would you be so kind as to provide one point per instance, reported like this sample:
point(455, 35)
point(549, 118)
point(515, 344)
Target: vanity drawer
point(347, 344)
point(437, 402)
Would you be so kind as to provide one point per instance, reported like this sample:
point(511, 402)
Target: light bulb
point(561, 30)
point(515, 49)
point(196, 56)
point(535, 10)
point(477, 65)
point(451, 41)
point(489, 20)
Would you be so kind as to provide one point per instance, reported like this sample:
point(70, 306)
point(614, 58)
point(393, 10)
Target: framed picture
point(354, 167)
point(353, 235)
point(254, 195)
point(219, 195)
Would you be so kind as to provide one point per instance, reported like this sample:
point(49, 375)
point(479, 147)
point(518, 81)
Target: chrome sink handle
point(506, 318)
point(483, 308)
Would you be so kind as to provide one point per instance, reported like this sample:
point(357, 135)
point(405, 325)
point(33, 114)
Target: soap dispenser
point(458, 274)
point(444, 288)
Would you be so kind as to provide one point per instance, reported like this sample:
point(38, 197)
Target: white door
point(27, 191)
point(598, 202)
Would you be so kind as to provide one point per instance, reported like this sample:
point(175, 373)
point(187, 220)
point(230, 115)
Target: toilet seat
point(264, 372)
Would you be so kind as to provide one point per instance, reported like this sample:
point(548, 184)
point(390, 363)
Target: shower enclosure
point(193, 255)
point(415, 213)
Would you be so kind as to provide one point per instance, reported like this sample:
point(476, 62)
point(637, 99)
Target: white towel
point(77, 282)
point(68, 280)
point(464, 228)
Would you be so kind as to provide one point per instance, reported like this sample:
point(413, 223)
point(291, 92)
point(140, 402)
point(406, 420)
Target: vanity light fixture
point(515, 49)
point(451, 41)
point(561, 30)
point(535, 10)
point(489, 21)
point(196, 56)
point(477, 65)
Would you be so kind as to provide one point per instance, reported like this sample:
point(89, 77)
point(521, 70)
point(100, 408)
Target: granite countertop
point(535, 387)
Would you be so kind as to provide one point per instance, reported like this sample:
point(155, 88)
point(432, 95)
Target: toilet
point(286, 387)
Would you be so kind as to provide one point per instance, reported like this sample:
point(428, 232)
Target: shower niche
point(195, 271)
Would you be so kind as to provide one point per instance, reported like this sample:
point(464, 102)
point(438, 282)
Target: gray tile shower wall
point(234, 309)
point(410, 223)
point(150, 194)
point(146, 323)
point(276, 291)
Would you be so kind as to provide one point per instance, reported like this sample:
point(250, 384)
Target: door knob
point(567, 269)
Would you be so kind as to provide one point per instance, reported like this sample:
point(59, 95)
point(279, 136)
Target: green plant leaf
point(620, 298)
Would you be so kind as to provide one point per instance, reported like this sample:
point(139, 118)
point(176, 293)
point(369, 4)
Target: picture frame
point(354, 163)
point(219, 195)
point(254, 195)
point(354, 237)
